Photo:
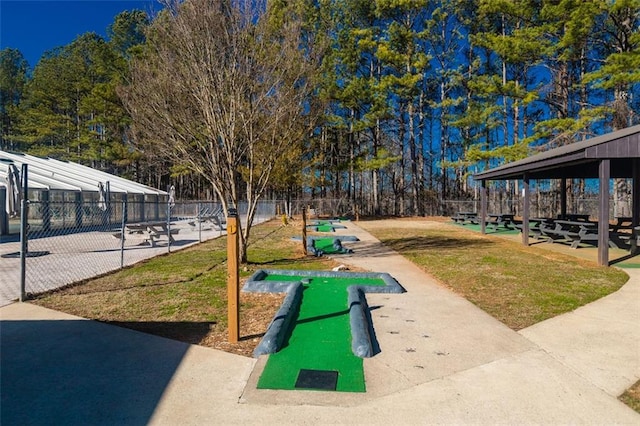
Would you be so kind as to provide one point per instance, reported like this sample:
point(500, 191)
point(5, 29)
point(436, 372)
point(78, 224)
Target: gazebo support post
point(483, 206)
point(635, 204)
point(525, 210)
point(603, 213)
point(563, 198)
point(636, 193)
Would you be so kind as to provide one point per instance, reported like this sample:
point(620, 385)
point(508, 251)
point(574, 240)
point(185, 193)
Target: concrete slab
point(61, 369)
point(599, 341)
point(529, 388)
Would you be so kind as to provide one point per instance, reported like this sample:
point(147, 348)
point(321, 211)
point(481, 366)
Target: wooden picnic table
point(622, 222)
point(534, 225)
point(466, 217)
point(151, 231)
point(501, 219)
point(572, 231)
point(574, 217)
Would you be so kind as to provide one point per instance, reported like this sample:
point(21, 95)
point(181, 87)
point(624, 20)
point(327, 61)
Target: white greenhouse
point(65, 195)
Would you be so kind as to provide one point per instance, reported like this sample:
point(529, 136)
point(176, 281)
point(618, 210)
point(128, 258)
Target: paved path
point(442, 361)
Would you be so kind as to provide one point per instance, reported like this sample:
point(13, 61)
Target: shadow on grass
point(434, 243)
point(625, 258)
point(183, 331)
point(80, 291)
point(283, 262)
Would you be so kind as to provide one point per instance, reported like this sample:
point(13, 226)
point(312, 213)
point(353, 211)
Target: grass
point(183, 295)
point(518, 285)
point(632, 396)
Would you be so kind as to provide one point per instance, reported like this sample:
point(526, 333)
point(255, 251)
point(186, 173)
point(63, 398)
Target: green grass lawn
point(518, 285)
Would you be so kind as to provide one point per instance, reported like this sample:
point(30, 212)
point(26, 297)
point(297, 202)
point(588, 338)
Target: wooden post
point(233, 281)
point(563, 198)
point(304, 231)
point(483, 206)
point(525, 209)
point(603, 213)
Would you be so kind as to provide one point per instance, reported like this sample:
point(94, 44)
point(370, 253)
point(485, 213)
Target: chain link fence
point(542, 204)
point(68, 242)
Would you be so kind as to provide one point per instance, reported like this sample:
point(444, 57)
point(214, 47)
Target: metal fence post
point(199, 222)
point(124, 223)
point(4, 216)
point(169, 227)
point(24, 217)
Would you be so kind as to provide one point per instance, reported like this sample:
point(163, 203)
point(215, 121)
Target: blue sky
point(36, 26)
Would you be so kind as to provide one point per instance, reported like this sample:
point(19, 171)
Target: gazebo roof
point(577, 160)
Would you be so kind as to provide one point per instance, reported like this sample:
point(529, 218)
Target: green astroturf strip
point(320, 338)
point(325, 228)
point(629, 264)
point(490, 230)
point(324, 244)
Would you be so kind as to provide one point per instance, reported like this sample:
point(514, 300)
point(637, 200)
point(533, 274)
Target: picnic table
point(148, 232)
point(534, 226)
point(497, 220)
point(216, 222)
point(575, 232)
point(466, 217)
point(574, 217)
point(622, 222)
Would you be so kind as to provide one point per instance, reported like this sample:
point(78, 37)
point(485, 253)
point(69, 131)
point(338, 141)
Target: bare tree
point(224, 91)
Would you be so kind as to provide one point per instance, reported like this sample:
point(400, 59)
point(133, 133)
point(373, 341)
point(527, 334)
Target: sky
point(36, 26)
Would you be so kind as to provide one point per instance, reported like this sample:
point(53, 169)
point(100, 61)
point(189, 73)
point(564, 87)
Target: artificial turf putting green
point(326, 245)
point(320, 337)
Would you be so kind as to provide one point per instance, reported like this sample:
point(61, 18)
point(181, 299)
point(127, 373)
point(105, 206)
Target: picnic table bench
point(500, 220)
point(574, 217)
point(210, 217)
point(466, 217)
point(622, 222)
point(148, 232)
point(575, 232)
point(213, 221)
point(534, 226)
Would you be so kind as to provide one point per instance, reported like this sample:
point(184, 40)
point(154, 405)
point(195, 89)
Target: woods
point(388, 105)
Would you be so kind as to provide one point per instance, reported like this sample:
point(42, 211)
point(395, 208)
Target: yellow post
point(233, 280)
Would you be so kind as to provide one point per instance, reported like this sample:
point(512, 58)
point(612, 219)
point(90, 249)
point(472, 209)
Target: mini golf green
point(325, 226)
point(327, 245)
point(322, 330)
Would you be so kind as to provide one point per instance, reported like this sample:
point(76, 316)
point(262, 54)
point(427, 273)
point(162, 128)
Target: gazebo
point(613, 155)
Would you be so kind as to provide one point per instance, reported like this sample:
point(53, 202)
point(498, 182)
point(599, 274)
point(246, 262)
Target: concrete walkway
point(442, 361)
